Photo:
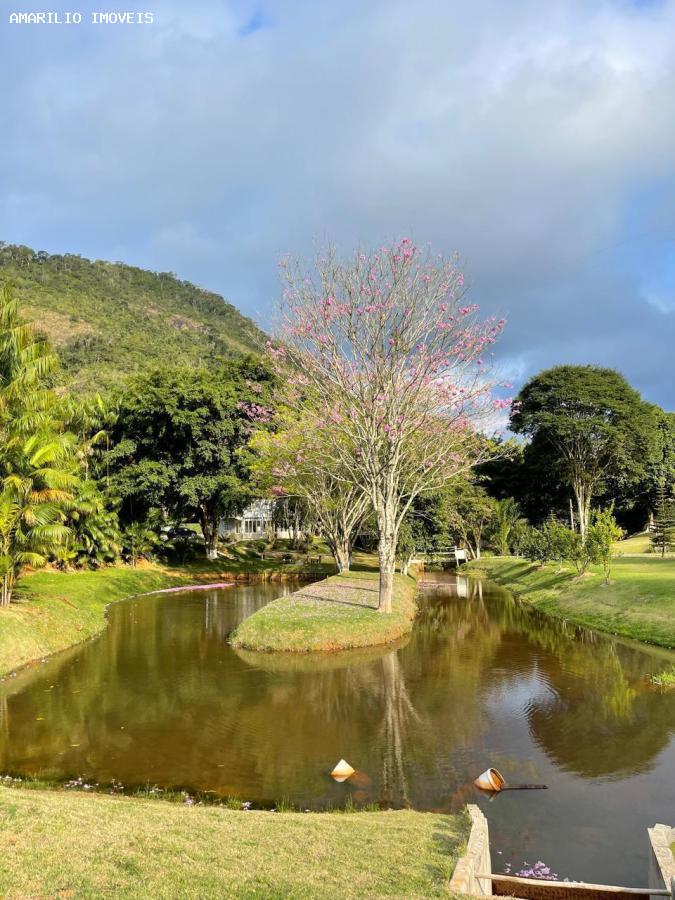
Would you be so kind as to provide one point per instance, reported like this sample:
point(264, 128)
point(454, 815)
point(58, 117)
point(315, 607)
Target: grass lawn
point(54, 610)
point(335, 614)
point(635, 543)
point(639, 603)
point(56, 844)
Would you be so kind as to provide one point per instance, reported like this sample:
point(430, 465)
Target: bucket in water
point(490, 780)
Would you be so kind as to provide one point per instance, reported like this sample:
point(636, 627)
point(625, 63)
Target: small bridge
point(456, 555)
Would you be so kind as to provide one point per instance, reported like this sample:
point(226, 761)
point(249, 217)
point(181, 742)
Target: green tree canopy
point(180, 442)
point(589, 432)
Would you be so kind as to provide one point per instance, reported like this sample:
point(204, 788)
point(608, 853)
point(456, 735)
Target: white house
point(254, 522)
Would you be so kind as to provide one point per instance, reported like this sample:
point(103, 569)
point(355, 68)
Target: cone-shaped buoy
point(342, 771)
point(490, 780)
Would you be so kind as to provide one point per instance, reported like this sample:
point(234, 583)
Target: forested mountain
point(109, 319)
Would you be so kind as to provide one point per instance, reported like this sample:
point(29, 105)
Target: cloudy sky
point(535, 138)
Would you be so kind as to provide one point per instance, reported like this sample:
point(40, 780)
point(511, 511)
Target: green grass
point(639, 603)
point(245, 558)
point(664, 680)
point(335, 614)
point(61, 845)
point(54, 610)
point(635, 543)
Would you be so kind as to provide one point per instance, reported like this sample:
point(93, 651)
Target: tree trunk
point(212, 552)
point(583, 502)
point(340, 547)
point(342, 558)
point(405, 565)
point(210, 531)
point(387, 558)
point(6, 594)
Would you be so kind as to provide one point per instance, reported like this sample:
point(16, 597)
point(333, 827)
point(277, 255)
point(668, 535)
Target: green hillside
point(109, 319)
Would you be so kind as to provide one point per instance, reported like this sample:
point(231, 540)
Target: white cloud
point(515, 133)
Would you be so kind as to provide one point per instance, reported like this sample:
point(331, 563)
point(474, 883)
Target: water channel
point(161, 699)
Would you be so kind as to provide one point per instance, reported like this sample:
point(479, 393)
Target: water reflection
point(162, 698)
point(398, 720)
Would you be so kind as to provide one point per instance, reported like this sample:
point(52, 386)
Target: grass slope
point(54, 610)
point(109, 319)
point(63, 845)
point(635, 543)
point(639, 603)
point(335, 614)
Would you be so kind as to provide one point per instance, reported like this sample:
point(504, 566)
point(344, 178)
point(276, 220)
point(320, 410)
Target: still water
point(161, 699)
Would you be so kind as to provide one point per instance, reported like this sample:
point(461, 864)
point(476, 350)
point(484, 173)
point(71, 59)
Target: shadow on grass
point(363, 567)
point(516, 573)
point(553, 583)
point(302, 595)
point(448, 842)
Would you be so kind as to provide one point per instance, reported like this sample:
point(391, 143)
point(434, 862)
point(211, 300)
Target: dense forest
point(109, 319)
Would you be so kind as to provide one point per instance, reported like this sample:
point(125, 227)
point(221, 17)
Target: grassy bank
point(58, 844)
point(54, 610)
point(335, 614)
point(639, 603)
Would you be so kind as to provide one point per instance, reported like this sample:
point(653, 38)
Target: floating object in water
point(342, 771)
point(492, 780)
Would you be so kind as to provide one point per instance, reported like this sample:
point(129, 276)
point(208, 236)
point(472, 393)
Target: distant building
point(254, 522)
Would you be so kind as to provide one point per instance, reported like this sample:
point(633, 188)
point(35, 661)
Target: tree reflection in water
point(398, 717)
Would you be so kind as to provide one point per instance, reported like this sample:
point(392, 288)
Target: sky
point(536, 139)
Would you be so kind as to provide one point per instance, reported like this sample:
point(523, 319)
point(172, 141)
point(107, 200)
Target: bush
point(553, 542)
point(601, 537)
point(556, 542)
point(179, 544)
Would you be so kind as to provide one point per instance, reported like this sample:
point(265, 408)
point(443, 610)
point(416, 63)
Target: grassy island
point(71, 845)
point(335, 614)
point(54, 610)
point(639, 602)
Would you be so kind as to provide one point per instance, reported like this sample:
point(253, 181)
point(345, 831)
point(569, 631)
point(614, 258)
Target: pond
point(161, 699)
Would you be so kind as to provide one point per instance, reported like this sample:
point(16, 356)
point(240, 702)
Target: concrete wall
point(476, 860)
point(661, 859)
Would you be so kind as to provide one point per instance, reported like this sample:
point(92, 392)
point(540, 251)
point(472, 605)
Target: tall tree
point(37, 468)
point(292, 513)
point(383, 355)
point(470, 513)
point(180, 442)
point(588, 428)
point(663, 532)
point(296, 461)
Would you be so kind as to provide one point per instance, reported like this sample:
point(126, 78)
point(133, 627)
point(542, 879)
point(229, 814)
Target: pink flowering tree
point(386, 362)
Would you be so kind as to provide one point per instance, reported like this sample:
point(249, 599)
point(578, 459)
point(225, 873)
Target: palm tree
point(506, 517)
point(37, 470)
point(31, 525)
point(139, 540)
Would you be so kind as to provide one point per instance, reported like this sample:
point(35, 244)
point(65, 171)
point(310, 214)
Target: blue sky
point(536, 139)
